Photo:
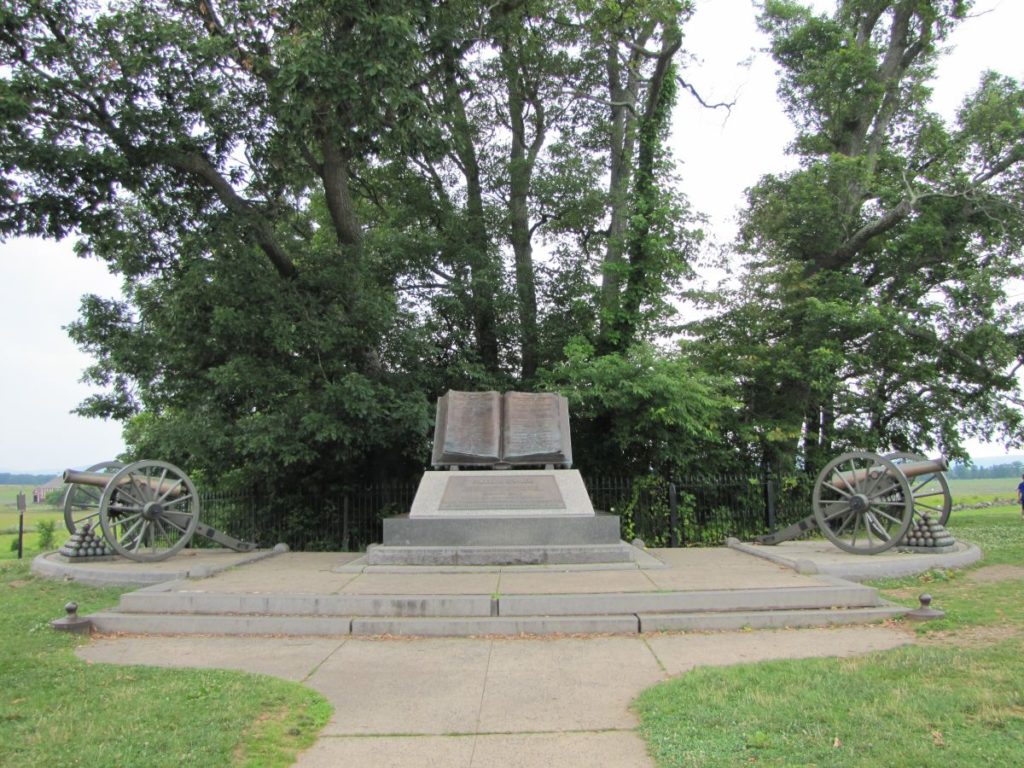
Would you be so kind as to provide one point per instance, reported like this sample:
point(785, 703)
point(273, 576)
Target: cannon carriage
point(147, 510)
point(866, 503)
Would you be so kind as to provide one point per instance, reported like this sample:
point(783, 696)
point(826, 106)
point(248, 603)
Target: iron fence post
point(345, 523)
point(673, 515)
point(769, 493)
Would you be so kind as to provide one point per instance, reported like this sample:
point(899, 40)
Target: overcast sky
point(720, 155)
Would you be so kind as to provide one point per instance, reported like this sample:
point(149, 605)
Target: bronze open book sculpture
point(501, 430)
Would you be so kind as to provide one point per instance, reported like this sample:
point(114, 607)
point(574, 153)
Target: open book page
point(468, 429)
point(533, 430)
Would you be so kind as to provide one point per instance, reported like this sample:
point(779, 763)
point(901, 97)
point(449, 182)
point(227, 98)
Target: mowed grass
point(58, 711)
point(953, 699)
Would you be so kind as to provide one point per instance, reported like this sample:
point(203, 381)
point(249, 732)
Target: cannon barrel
point(100, 480)
point(908, 469)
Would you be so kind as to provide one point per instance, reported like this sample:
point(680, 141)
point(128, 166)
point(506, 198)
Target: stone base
point(552, 530)
point(511, 555)
point(501, 541)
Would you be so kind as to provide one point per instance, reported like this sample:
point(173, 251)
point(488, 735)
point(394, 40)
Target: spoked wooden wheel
point(931, 492)
point(863, 503)
point(149, 510)
point(82, 502)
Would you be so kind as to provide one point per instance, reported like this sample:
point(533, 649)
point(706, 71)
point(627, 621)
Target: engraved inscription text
point(529, 492)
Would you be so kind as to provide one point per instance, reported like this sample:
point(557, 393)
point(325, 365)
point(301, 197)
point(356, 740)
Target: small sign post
point(21, 522)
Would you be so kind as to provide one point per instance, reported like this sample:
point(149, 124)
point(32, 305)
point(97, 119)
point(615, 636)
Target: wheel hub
point(859, 503)
point(152, 510)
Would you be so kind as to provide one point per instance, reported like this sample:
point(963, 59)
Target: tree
point(326, 213)
point(873, 311)
point(209, 154)
point(646, 248)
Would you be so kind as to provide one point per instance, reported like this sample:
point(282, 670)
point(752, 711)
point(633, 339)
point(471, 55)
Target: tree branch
point(727, 105)
point(197, 165)
point(258, 64)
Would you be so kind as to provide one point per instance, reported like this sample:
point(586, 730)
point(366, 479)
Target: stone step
point(841, 593)
point(716, 622)
point(114, 621)
point(845, 594)
point(455, 626)
point(215, 603)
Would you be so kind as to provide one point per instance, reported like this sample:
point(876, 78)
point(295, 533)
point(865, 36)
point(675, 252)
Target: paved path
point(494, 702)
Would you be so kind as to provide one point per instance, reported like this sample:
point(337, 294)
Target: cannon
point(147, 511)
point(865, 503)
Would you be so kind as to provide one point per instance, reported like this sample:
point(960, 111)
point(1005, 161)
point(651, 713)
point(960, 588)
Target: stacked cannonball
point(85, 543)
point(929, 533)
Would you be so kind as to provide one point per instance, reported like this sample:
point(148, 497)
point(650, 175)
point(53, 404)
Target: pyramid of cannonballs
point(85, 543)
point(928, 533)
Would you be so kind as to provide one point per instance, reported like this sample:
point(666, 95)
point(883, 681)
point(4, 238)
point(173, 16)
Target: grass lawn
point(58, 711)
point(954, 699)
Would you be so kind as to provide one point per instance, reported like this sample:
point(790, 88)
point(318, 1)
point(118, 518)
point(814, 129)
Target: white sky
point(721, 155)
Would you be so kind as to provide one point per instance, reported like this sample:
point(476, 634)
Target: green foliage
point(46, 530)
point(639, 412)
point(646, 514)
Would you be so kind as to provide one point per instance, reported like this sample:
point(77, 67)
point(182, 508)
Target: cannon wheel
point(82, 502)
point(926, 489)
point(863, 503)
point(149, 511)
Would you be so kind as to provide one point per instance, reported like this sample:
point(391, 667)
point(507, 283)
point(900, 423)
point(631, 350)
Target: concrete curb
point(865, 567)
point(48, 566)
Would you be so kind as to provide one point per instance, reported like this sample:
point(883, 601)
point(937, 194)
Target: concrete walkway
point(494, 702)
point(513, 702)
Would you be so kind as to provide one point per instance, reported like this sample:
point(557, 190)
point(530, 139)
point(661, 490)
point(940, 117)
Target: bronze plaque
point(526, 492)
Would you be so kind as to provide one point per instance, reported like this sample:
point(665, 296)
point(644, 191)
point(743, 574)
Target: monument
point(502, 492)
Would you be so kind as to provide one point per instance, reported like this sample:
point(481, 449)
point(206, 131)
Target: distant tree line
point(8, 478)
point(964, 472)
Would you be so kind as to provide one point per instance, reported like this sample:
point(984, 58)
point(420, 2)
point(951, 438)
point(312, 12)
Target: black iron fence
point(684, 512)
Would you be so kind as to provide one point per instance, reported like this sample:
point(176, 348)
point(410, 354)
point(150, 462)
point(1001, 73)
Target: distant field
point(33, 514)
point(9, 494)
point(9, 498)
point(984, 489)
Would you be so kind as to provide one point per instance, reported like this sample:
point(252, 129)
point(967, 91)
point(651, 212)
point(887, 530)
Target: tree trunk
point(622, 130)
point(521, 164)
point(485, 274)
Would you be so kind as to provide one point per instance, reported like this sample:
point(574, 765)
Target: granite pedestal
point(499, 517)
